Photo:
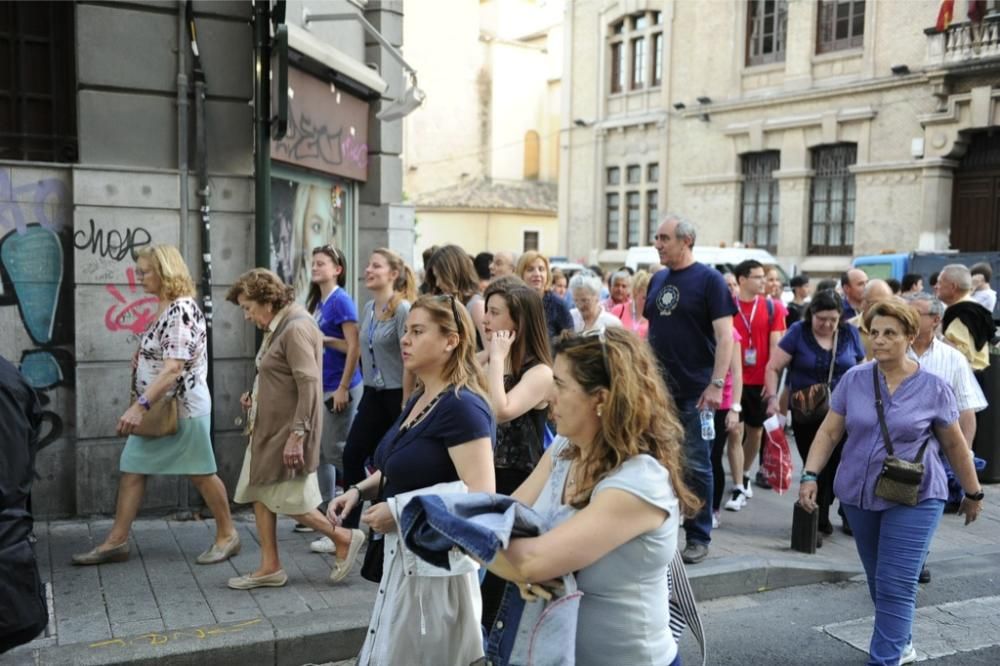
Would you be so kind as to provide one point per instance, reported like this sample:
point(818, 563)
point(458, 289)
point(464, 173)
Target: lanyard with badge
point(377, 374)
point(750, 352)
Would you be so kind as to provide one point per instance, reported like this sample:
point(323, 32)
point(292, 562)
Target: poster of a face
point(306, 215)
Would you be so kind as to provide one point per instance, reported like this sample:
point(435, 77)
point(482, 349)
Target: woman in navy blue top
point(445, 433)
point(805, 350)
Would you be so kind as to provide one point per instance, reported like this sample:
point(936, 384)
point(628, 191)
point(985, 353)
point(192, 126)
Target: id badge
point(750, 356)
point(379, 382)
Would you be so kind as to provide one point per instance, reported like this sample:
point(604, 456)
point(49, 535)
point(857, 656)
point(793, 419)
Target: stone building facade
point(819, 129)
point(90, 172)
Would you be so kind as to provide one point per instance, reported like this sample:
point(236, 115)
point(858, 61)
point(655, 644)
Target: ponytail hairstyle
point(405, 285)
point(639, 416)
point(462, 370)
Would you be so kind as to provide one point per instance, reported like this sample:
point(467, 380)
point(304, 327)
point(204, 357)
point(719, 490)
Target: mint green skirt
point(186, 452)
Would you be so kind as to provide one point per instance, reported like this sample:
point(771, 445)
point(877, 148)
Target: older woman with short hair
point(285, 425)
point(588, 315)
point(919, 415)
point(170, 363)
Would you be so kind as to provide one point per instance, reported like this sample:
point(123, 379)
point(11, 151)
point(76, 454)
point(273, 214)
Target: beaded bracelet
point(807, 477)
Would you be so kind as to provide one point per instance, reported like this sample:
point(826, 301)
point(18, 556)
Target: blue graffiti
point(41, 369)
point(33, 260)
point(46, 199)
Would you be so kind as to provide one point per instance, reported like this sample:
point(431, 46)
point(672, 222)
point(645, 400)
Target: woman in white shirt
point(588, 315)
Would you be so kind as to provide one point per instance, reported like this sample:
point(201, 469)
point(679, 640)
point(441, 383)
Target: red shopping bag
point(777, 456)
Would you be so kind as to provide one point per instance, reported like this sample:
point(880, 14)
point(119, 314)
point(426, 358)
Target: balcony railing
point(964, 42)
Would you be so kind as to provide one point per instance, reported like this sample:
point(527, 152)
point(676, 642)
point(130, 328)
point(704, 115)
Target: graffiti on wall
point(33, 267)
point(307, 139)
point(305, 215)
point(133, 312)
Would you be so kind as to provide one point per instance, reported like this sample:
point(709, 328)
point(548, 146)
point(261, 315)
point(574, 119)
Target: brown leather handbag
point(899, 481)
point(809, 405)
point(160, 420)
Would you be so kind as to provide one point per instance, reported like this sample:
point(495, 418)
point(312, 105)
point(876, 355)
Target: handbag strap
point(833, 357)
point(881, 411)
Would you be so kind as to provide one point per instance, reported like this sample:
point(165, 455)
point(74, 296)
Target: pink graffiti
point(355, 150)
point(132, 316)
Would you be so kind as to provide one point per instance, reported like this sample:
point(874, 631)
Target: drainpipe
point(183, 511)
point(262, 126)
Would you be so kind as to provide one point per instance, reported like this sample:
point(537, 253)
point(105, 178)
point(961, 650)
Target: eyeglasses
point(599, 334)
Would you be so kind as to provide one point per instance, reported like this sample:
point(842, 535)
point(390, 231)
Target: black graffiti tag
point(112, 244)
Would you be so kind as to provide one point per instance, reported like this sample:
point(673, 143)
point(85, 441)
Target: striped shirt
point(949, 364)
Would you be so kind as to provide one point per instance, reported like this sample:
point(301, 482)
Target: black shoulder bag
point(899, 481)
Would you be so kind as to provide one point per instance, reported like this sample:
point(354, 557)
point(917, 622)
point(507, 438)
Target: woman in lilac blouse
point(892, 538)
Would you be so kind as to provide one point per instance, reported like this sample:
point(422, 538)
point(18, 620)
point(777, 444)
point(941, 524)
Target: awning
point(312, 46)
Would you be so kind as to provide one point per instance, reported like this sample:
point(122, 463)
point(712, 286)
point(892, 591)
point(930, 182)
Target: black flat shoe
point(826, 528)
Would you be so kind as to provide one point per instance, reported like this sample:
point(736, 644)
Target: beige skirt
point(289, 498)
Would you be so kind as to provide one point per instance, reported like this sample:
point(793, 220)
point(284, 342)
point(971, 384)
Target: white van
point(719, 257)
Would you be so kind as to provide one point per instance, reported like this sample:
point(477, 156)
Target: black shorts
point(754, 409)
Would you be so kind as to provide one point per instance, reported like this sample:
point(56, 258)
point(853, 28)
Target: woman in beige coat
point(285, 427)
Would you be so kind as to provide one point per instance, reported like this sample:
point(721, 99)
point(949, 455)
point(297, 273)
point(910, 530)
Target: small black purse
point(371, 566)
point(899, 481)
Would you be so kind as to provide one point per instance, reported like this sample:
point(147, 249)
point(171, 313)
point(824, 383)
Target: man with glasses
point(690, 313)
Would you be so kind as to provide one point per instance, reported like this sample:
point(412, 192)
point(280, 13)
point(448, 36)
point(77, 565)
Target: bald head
point(503, 264)
point(876, 291)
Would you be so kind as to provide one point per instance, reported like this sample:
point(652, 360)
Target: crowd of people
point(605, 405)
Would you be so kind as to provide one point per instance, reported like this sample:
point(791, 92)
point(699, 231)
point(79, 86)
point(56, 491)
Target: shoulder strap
point(833, 358)
point(770, 313)
point(881, 411)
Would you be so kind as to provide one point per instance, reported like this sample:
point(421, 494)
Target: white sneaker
point(323, 545)
point(747, 488)
point(715, 520)
point(909, 655)
point(737, 501)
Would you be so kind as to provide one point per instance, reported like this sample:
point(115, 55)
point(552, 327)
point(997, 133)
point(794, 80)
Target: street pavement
point(160, 607)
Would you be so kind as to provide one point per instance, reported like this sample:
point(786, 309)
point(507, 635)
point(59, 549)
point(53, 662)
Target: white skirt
point(288, 498)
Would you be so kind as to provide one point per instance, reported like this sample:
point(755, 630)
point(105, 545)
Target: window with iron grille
point(653, 173)
point(636, 51)
point(37, 82)
point(759, 217)
point(831, 211)
point(841, 25)
point(530, 241)
point(612, 220)
point(767, 26)
point(614, 175)
point(652, 215)
point(633, 174)
point(633, 220)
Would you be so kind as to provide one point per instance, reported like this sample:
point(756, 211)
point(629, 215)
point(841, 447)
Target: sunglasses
point(603, 339)
point(335, 253)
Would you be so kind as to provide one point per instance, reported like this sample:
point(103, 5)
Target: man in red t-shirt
point(760, 322)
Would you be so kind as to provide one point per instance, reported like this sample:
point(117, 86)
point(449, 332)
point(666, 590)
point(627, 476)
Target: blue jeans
point(698, 474)
point(891, 545)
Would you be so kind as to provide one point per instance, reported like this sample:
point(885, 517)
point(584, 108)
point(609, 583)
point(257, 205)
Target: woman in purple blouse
point(892, 538)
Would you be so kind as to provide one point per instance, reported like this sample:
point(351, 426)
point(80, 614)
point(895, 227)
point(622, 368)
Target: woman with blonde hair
point(634, 320)
point(171, 363)
point(533, 268)
point(388, 384)
point(284, 423)
point(445, 434)
point(612, 489)
point(450, 271)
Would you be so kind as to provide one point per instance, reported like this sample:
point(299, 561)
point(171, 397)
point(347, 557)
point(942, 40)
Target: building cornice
point(801, 121)
point(747, 103)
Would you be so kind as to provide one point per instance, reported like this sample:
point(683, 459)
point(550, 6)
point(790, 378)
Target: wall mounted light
point(704, 100)
point(580, 122)
point(900, 70)
point(680, 106)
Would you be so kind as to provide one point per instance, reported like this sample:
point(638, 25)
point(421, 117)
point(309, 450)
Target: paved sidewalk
point(160, 607)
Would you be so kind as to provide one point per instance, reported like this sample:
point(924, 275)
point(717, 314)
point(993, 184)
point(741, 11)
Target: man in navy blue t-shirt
point(690, 312)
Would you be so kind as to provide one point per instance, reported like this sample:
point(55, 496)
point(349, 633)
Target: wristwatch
point(736, 408)
point(143, 401)
point(976, 497)
point(719, 382)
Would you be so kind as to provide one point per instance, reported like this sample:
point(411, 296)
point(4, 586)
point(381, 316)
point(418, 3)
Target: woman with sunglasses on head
point(450, 271)
point(518, 370)
point(612, 489)
point(426, 615)
point(387, 384)
point(337, 318)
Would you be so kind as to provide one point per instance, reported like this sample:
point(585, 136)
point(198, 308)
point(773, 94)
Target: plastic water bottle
point(707, 417)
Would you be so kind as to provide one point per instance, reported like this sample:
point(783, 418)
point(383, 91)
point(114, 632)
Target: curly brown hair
point(639, 416)
point(263, 286)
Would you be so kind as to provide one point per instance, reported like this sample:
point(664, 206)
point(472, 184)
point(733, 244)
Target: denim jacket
point(536, 633)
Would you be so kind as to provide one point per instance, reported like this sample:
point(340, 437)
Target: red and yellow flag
point(945, 14)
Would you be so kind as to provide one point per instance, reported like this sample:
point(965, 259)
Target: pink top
point(626, 312)
point(727, 390)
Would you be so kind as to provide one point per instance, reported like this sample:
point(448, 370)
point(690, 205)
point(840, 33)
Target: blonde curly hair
point(168, 265)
